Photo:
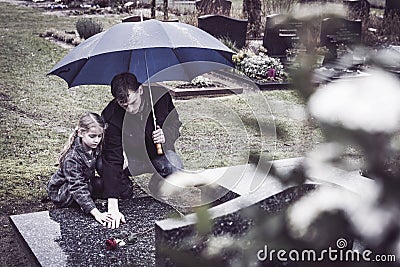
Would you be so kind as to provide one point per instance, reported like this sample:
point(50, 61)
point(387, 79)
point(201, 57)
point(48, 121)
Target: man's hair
point(121, 83)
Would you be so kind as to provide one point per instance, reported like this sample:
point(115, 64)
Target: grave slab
point(223, 86)
point(68, 237)
point(269, 195)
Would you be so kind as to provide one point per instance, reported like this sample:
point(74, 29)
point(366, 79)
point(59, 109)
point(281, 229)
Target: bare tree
point(252, 9)
point(153, 9)
point(165, 9)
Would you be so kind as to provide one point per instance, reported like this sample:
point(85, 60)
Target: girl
point(75, 181)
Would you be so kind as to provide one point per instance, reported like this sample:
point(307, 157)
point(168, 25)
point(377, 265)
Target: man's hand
point(158, 136)
point(117, 217)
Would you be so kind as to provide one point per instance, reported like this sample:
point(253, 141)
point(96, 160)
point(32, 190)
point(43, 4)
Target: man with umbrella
point(130, 133)
point(154, 51)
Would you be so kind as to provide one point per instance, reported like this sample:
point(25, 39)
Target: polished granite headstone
point(256, 190)
point(68, 237)
point(174, 234)
point(225, 27)
point(336, 32)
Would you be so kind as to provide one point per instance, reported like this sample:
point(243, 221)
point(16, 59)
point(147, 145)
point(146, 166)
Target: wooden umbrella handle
point(159, 149)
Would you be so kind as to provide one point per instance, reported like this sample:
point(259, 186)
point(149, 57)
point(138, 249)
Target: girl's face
point(91, 138)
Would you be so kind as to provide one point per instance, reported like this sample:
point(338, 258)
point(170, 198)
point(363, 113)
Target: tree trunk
point(252, 9)
point(165, 9)
point(153, 9)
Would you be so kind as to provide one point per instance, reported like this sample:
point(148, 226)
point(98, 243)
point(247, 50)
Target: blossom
point(111, 244)
point(367, 103)
point(271, 73)
point(362, 211)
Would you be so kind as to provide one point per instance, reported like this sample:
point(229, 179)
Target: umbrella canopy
point(138, 47)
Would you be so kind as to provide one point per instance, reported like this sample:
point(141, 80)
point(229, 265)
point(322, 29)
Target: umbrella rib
point(129, 61)
point(179, 60)
point(76, 74)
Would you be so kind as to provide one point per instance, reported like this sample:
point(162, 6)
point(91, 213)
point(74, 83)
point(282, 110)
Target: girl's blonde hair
point(86, 121)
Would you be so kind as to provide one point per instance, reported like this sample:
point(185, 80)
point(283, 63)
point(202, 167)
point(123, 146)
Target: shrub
point(86, 27)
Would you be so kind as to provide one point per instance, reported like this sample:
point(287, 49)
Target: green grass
point(37, 112)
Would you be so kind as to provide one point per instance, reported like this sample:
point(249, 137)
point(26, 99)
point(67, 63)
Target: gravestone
point(280, 35)
point(358, 8)
point(220, 7)
point(312, 1)
point(224, 27)
point(392, 8)
point(174, 234)
point(68, 237)
point(270, 198)
point(337, 32)
point(134, 19)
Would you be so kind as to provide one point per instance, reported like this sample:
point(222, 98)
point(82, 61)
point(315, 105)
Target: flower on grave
point(321, 50)
point(113, 243)
point(271, 73)
point(125, 238)
point(259, 66)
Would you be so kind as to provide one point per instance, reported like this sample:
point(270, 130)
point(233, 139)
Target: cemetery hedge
point(38, 111)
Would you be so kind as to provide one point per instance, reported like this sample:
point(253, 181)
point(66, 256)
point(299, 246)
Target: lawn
point(38, 112)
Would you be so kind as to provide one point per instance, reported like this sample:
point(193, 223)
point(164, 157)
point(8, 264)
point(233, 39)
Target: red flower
point(111, 244)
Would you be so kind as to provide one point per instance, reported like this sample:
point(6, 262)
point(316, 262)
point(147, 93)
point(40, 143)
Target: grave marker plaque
point(280, 35)
point(337, 31)
point(224, 27)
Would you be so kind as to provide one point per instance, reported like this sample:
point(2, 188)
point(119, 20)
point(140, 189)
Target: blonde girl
point(75, 182)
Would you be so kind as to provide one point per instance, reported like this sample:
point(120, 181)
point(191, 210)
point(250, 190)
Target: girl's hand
point(158, 136)
point(117, 218)
point(102, 218)
point(113, 210)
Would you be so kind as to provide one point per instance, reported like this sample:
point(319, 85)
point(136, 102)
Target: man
point(130, 133)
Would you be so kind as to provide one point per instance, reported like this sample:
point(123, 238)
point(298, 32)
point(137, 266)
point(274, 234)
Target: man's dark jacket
point(132, 133)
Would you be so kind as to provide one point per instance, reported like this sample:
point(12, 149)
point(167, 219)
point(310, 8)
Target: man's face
point(132, 105)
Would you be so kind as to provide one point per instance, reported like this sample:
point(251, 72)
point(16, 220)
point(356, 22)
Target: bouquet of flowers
point(259, 66)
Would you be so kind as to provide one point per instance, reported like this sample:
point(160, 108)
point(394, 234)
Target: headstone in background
point(134, 19)
point(337, 32)
point(221, 7)
point(358, 8)
point(392, 8)
point(377, 3)
point(224, 27)
point(312, 1)
point(280, 35)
